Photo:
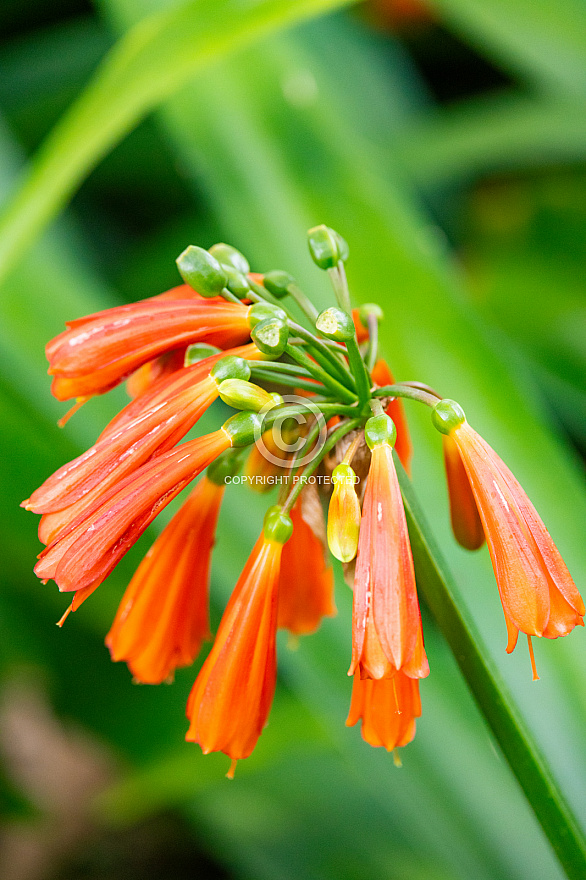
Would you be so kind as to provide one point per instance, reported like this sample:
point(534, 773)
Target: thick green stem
point(304, 303)
point(326, 358)
point(371, 355)
point(287, 380)
point(340, 285)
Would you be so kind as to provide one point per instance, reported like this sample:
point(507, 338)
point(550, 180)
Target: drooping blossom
point(306, 583)
point(538, 595)
point(98, 352)
point(386, 622)
point(163, 617)
point(93, 544)
point(464, 516)
point(387, 708)
point(230, 701)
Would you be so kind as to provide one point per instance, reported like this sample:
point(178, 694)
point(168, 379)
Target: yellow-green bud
point(344, 514)
point(246, 395)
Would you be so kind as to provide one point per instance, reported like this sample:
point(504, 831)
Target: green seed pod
point(370, 309)
point(278, 526)
point(230, 367)
point(199, 351)
point(229, 256)
point(243, 429)
point(335, 324)
point(201, 271)
point(261, 310)
point(246, 395)
point(277, 283)
point(327, 247)
point(447, 415)
point(236, 282)
point(271, 336)
point(227, 464)
point(380, 431)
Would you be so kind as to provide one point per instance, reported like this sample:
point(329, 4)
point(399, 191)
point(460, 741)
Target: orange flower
point(388, 709)
point(163, 617)
point(538, 596)
point(87, 549)
point(386, 624)
point(466, 523)
point(230, 701)
point(306, 584)
point(99, 351)
point(146, 427)
point(403, 447)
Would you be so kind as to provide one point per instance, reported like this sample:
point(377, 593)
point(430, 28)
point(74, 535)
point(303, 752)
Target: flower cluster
point(229, 333)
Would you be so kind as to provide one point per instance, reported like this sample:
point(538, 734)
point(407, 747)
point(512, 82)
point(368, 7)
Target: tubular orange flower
point(89, 548)
point(230, 701)
point(163, 617)
point(382, 375)
point(464, 516)
point(538, 595)
point(306, 584)
point(386, 623)
point(146, 427)
point(388, 709)
point(98, 352)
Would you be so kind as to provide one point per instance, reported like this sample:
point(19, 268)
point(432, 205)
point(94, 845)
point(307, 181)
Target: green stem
point(435, 583)
point(371, 355)
point(304, 303)
point(406, 391)
point(340, 285)
point(334, 438)
point(326, 358)
point(334, 386)
point(229, 296)
point(287, 380)
point(261, 294)
point(358, 368)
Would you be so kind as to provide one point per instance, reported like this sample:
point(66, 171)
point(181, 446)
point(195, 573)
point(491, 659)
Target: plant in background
point(336, 432)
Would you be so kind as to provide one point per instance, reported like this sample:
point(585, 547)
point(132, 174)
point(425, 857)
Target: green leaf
point(149, 63)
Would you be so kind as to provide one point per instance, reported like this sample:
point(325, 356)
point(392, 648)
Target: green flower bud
point(243, 429)
point(229, 256)
point(277, 283)
point(278, 526)
point(261, 310)
point(380, 431)
point(230, 367)
point(199, 351)
point(271, 336)
point(236, 282)
point(246, 395)
point(201, 271)
point(370, 309)
point(335, 324)
point(327, 247)
point(227, 464)
point(447, 415)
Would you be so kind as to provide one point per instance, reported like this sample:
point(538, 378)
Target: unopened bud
point(380, 431)
point(229, 256)
point(327, 247)
point(236, 282)
point(199, 351)
point(246, 395)
point(201, 271)
point(278, 526)
point(230, 367)
point(262, 310)
point(344, 514)
point(277, 283)
point(447, 415)
point(370, 309)
point(242, 429)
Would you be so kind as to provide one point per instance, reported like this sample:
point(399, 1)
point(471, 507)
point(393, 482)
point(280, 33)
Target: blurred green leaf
point(152, 61)
point(543, 42)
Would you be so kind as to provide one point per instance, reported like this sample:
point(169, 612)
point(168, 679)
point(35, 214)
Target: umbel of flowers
point(230, 333)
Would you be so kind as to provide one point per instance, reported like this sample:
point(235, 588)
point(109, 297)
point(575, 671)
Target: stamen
point(65, 616)
point(70, 412)
point(532, 656)
point(231, 771)
point(397, 758)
